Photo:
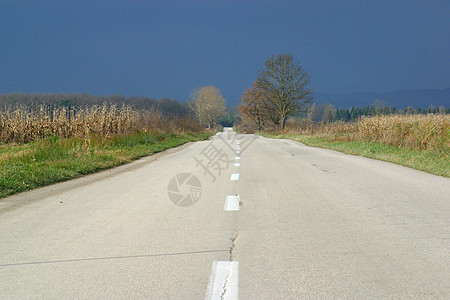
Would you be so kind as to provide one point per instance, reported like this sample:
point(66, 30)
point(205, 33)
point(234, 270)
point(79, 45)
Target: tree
point(312, 113)
point(171, 107)
point(329, 113)
point(284, 83)
point(322, 112)
point(253, 106)
point(271, 111)
point(229, 116)
point(208, 105)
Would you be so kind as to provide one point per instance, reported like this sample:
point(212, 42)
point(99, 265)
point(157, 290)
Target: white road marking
point(237, 157)
point(234, 176)
point(237, 142)
point(232, 203)
point(237, 151)
point(223, 282)
point(237, 164)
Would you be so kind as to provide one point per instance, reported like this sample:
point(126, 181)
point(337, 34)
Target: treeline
point(328, 113)
point(165, 105)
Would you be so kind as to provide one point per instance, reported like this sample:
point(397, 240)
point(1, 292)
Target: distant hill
point(400, 99)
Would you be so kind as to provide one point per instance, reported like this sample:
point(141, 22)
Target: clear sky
point(167, 48)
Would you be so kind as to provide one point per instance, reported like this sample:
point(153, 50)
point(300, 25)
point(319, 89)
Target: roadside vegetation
point(417, 141)
point(43, 144)
point(279, 105)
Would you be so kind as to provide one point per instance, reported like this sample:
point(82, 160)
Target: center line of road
point(237, 157)
point(232, 203)
point(237, 164)
point(223, 282)
point(234, 176)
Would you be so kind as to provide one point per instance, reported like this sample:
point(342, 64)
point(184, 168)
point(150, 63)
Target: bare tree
point(321, 112)
point(208, 105)
point(329, 113)
point(285, 84)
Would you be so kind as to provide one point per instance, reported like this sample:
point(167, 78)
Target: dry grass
point(423, 132)
point(338, 131)
point(43, 146)
point(152, 120)
point(23, 124)
point(419, 132)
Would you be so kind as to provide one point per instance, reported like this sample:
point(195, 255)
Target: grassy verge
point(436, 162)
point(40, 163)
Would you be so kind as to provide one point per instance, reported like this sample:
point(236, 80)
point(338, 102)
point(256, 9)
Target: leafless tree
point(208, 105)
point(321, 112)
point(285, 84)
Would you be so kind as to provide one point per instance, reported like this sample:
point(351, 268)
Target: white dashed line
point(223, 282)
point(234, 176)
point(237, 164)
point(232, 203)
point(237, 157)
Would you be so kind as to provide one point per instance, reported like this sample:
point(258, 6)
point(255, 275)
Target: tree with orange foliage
point(253, 106)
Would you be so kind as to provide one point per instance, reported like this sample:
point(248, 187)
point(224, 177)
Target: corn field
point(421, 132)
point(424, 132)
point(23, 124)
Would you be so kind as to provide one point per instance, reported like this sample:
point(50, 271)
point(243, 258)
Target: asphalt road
point(302, 223)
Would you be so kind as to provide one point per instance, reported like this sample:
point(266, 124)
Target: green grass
point(36, 164)
point(436, 162)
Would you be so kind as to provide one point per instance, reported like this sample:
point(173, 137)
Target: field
point(416, 141)
point(42, 146)
point(420, 132)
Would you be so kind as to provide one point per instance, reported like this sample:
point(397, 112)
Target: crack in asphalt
point(108, 258)
point(222, 297)
point(233, 245)
point(227, 278)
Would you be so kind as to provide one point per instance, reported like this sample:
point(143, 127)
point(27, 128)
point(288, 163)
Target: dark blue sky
point(167, 48)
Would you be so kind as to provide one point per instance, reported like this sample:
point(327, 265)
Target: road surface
point(235, 216)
